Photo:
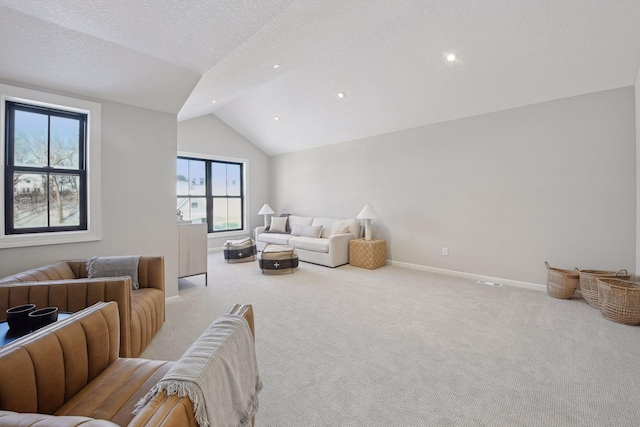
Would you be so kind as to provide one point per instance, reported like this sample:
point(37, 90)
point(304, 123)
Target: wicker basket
point(619, 300)
point(589, 283)
point(561, 283)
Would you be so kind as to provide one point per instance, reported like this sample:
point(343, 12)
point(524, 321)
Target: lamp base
point(367, 229)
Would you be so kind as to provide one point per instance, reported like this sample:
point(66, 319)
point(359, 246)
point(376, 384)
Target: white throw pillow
point(340, 229)
point(312, 231)
point(278, 224)
point(308, 231)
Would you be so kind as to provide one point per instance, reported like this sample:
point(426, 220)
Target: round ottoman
point(243, 250)
point(278, 259)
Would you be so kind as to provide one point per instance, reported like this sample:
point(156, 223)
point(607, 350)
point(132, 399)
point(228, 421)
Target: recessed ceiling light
point(214, 101)
point(276, 66)
point(341, 94)
point(451, 57)
point(276, 118)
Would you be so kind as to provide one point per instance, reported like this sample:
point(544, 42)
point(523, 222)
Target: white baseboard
point(174, 298)
point(215, 249)
point(515, 283)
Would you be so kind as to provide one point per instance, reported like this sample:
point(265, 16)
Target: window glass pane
point(64, 200)
point(219, 179)
point(219, 214)
point(29, 200)
point(197, 178)
point(183, 209)
point(182, 178)
point(234, 221)
point(65, 143)
point(198, 209)
point(31, 133)
point(233, 180)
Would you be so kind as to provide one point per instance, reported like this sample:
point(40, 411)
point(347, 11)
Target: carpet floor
point(401, 347)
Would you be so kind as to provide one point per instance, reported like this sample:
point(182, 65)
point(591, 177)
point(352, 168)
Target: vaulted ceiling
point(387, 57)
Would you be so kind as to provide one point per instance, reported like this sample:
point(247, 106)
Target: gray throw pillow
point(114, 266)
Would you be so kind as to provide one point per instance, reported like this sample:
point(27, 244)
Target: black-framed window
point(45, 169)
point(211, 191)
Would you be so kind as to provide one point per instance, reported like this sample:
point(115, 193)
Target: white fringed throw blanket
point(219, 374)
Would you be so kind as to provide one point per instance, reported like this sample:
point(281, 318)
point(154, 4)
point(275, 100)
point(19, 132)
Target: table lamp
point(266, 210)
point(367, 213)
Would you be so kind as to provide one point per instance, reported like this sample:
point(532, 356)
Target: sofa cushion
point(58, 271)
point(340, 229)
point(274, 238)
point(278, 225)
point(331, 224)
point(112, 395)
point(300, 220)
point(310, 244)
point(307, 231)
point(45, 369)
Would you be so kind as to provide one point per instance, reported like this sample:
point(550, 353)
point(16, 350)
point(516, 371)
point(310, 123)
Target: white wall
point(210, 136)
point(138, 195)
point(504, 191)
point(637, 111)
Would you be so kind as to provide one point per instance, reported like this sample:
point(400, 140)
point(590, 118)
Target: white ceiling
point(387, 56)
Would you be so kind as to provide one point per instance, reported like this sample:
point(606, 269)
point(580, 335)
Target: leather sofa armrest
point(12, 419)
point(75, 295)
point(165, 411)
point(168, 411)
point(151, 272)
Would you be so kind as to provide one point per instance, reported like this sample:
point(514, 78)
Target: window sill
point(41, 239)
point(224, 234)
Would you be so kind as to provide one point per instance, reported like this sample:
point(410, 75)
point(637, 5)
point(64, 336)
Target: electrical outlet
point(445, 251)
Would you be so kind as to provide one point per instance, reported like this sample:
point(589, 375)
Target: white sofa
point(331, 248)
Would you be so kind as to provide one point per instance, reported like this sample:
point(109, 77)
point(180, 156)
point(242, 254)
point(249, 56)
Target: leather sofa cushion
point(53, 364)
point(58, 271)
point(113, 394)
point(8, 418)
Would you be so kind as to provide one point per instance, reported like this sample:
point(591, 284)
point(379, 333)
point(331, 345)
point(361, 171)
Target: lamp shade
point(266, 210)
point(368, 213)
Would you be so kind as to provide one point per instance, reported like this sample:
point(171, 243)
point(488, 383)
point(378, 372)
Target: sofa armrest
point(339, 247)
point(257, 231)
point(151, 272)
point(338, 241)
point(74, 295)
point(165, 410)
point(11, 419)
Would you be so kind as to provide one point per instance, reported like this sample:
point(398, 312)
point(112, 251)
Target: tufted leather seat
point(65, 285)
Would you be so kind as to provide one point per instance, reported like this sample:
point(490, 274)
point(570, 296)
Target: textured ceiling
point(387, 56)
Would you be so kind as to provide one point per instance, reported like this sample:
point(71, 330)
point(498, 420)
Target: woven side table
point(369, 254)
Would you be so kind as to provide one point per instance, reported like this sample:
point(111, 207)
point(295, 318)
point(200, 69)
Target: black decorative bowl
point(18, 317)
point(42, 317)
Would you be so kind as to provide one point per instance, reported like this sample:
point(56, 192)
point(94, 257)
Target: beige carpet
point(399, 347)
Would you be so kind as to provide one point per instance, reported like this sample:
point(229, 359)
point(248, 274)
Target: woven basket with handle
point(619, 300)
point(561, 283)
point(589, 283)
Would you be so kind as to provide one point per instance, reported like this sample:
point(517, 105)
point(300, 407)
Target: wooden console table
point(192, 250)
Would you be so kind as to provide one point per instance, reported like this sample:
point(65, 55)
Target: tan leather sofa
point(65, 285)
point(69, 374)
